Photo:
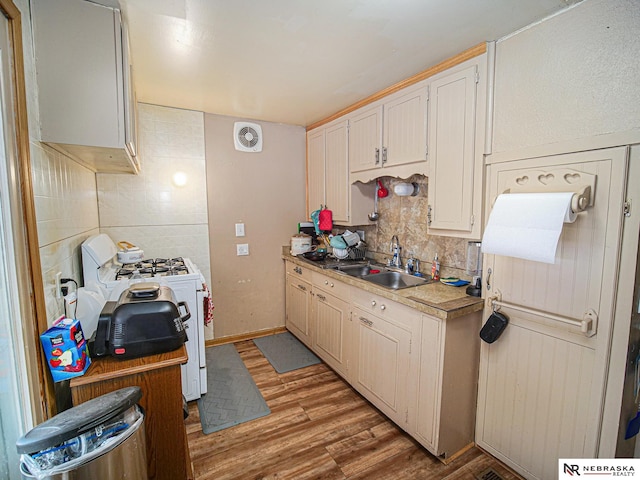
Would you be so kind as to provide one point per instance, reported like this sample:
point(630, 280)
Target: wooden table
point(159, 378)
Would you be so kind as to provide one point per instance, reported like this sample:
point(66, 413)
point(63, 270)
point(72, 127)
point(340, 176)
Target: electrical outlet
point(58, 285)
point(242, 249)
point(239, 229)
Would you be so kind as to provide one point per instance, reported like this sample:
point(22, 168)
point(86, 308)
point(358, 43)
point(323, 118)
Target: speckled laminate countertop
point(435, 299)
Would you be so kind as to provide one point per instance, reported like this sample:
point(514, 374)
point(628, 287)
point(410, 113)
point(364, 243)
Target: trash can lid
point(77, 420)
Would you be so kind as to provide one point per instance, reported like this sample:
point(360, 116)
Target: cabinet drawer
point(331, 285)
point(297, 271)
point(383, 307)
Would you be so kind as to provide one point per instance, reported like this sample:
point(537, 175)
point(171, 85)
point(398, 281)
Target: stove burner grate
point(149, 268)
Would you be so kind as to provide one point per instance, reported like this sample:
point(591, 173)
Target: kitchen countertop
point(435, 299)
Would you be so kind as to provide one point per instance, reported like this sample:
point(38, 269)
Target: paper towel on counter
point(527, 225)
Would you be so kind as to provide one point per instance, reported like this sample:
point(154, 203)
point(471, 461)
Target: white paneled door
point(541, 385)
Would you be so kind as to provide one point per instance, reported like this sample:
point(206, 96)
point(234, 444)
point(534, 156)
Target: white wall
point(266, 192)
point(148, 210)
point(573, 76)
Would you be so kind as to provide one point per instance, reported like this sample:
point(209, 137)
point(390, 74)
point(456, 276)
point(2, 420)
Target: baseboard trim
point(244, 336)
point(457, 454)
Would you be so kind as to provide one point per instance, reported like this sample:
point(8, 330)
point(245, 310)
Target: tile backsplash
point(149, 209)
point(67, 213)
point(406, 217)
point(170, 140)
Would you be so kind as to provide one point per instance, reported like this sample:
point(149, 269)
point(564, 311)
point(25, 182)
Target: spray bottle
point(435, 268)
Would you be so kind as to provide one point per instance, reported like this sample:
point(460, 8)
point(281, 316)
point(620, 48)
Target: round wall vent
point(247, 137)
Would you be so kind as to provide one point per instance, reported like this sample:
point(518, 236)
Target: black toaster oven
point(145, 320)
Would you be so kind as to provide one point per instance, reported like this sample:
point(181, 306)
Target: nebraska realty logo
point(594, 468)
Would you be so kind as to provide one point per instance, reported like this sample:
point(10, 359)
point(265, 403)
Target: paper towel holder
point(582, 185)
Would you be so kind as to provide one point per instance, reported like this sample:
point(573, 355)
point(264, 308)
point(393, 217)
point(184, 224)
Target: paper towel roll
point(527, 225)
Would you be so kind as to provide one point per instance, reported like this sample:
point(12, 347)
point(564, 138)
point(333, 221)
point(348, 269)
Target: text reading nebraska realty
point(595, 468)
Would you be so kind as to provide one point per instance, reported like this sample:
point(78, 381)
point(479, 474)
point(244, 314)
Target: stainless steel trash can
point(99, 439)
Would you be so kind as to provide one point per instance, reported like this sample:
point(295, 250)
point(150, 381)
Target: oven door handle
point(186, 307)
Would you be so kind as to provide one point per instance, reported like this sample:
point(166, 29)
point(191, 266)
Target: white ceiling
point(299, 61)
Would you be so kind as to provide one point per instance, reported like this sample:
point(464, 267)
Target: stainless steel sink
point(395, 280)
point(354, 270)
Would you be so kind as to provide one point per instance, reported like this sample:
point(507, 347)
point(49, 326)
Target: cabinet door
point(337, 171)
point(382, 363)
point(130, 110)
point(452, 129)
point(405, 128)
point(315, 170)
point(429, 382)
point(78, 55)
point(331, 327)
point(298, 308)
point(85, 94)
point(365, 140)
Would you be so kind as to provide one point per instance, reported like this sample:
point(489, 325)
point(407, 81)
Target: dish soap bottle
point(435, 269)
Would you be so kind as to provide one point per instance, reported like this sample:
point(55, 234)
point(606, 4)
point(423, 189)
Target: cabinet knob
point(383, 307)
point(373, 303)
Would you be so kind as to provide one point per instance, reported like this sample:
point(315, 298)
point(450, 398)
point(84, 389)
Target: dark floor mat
point(232, 396)
point(285, 352)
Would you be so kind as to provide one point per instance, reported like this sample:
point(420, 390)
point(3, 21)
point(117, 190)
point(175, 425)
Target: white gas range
point(100, 268)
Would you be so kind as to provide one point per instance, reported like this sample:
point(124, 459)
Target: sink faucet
point(395, 248)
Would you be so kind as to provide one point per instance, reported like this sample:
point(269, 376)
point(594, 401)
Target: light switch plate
point(239, 229)
point(242, 249)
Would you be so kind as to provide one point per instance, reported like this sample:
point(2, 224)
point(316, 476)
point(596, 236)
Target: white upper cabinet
point(435, 127)
point(389, 138)
point(328, 176)
point(85, 93)
point(327, 170)
point(337, 171)
point(405, 128)
point(315, 169)
point(457, 111)
point(365, 139)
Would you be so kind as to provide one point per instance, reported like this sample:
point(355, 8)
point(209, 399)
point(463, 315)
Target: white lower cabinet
point(298, 302)
point(385, 364)
point(420, 371)
point(331, 313)
point(382, 364)
point(429, 382)
point(447, 384)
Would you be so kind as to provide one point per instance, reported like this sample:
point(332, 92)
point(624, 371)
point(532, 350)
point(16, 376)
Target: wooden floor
point(319, 428)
